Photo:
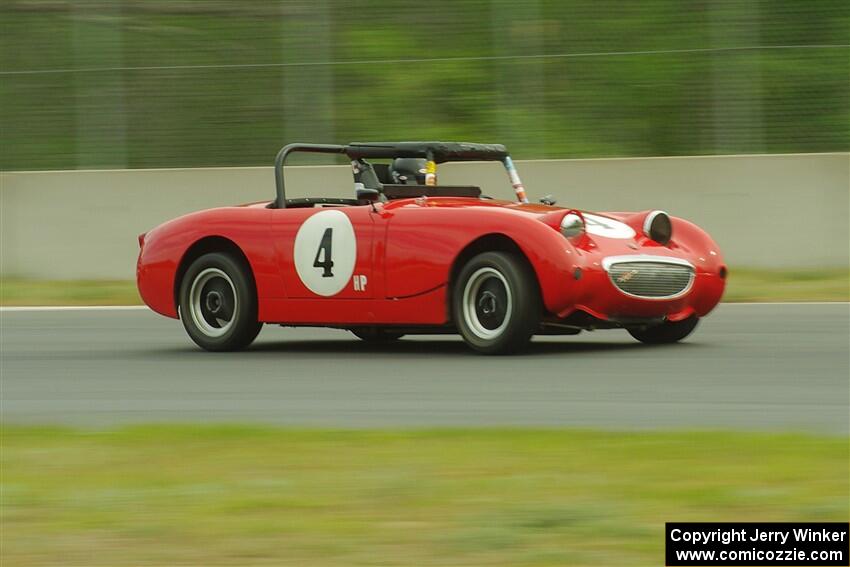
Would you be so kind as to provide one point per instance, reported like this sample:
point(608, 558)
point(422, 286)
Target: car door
point(325, 253)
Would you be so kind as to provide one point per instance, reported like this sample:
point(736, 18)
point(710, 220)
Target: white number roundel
point(325, 252)
point(603, 226)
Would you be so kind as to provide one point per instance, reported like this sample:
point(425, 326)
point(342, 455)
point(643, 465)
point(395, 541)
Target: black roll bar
point(434, 152)
point(280, 200)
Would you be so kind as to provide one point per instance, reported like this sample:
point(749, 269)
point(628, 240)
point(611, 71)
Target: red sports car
point(407, 255)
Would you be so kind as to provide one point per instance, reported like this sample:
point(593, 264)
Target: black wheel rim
point(487, 303)
point(213, 303)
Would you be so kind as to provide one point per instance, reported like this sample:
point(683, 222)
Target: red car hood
point(608, 233)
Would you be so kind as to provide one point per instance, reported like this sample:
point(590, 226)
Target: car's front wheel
point(218, 304)
point(496, 303)
point(667, 332)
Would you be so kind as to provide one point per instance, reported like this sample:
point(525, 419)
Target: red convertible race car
point(406, 255)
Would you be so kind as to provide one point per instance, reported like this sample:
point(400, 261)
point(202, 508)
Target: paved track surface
point(778, 367)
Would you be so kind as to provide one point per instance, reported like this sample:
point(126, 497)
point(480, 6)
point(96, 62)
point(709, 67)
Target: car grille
point(656, 280)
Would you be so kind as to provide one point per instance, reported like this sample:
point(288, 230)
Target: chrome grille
point(655, 280)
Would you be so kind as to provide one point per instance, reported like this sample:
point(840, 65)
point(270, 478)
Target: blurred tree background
point(173, 83)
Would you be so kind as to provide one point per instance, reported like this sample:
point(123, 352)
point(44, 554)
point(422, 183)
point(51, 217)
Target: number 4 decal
point(324, 257)
point(325, 252)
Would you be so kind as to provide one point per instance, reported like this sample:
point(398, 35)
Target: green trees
point(167, 84)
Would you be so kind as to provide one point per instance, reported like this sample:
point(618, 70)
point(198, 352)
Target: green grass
point(71, 292)
point(744, 285)
point(787, 285)
point(227, 495)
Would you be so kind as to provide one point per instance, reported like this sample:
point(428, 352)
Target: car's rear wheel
point(667, 332)
point(218, 304)
point(496, 303)
point(376, 334)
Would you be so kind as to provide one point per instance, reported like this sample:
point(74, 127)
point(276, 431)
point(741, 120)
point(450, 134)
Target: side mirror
point(366, 194)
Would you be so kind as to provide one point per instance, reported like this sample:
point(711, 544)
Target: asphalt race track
point(776, 367)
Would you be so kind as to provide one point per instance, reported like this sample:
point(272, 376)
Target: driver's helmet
point(408, 171)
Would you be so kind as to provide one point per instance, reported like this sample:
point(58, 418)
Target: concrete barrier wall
point(774, 211)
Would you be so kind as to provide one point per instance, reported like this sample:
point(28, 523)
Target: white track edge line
point(23, 308)
point(73, 308)
point(784, 303)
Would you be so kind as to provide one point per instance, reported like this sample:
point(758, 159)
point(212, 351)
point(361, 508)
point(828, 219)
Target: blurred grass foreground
point(743, 285)
point(221, 495)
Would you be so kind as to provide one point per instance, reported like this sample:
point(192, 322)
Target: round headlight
point(572, 225)
point(658, 227)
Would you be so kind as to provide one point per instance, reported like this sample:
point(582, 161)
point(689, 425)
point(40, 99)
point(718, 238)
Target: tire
point(218, 304)
point(665, 333)
point(496, 303)
point(376, 334)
